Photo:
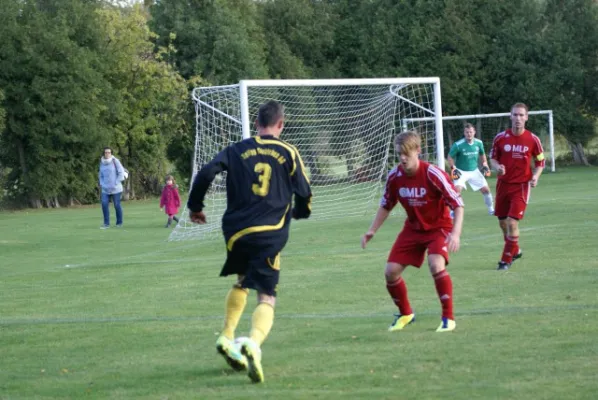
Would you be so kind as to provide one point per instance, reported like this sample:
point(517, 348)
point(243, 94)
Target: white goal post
point(540, 122)
point(343, 129)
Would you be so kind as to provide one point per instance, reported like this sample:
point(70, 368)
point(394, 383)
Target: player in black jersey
point(263, 173)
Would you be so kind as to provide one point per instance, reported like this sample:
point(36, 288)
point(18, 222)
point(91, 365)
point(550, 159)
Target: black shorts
point(257, 257)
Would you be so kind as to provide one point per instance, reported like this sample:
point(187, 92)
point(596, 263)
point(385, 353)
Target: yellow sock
point(234, 306)
point(261, 322)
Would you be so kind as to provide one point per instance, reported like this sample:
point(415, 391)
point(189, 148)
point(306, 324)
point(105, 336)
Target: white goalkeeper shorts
point(475, 179)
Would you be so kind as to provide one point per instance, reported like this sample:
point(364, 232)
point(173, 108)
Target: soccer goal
point(343, 129)
point(488, 125)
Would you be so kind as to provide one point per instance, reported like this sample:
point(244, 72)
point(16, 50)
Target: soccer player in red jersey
point(424, 191)
point(511, 156)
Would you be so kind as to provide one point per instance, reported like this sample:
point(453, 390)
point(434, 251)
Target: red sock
point(515, 240)
point(511, 248)
point(444, 288)
point(398, 292)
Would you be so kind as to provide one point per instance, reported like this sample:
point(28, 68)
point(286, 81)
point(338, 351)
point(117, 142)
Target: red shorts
point(511, 199)
point(410, 246)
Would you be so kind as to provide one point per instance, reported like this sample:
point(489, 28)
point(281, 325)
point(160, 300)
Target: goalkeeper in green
point(463, 159)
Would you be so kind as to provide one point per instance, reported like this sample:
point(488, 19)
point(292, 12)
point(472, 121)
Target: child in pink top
point(170, 200)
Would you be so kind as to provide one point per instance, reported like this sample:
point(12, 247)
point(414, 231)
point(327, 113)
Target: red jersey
point(516, 153)
point(424, 196)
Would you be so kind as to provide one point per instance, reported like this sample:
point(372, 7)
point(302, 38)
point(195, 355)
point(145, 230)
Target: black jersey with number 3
point(263, 173)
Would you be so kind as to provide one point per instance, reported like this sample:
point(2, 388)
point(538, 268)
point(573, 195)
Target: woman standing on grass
point(111, 176)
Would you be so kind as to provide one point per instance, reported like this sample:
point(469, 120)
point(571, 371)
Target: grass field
point(122, 314)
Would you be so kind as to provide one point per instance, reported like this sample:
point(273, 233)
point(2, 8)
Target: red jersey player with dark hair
point(424, 191)
point(511, 156)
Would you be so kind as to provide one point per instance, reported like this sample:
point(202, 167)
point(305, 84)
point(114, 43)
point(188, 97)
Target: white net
point(344, 133)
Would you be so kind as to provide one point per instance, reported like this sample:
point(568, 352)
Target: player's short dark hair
point(520, 105)
point(468, 125)
point(270, 113)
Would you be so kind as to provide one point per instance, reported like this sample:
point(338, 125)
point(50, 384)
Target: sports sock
point(234, 306)
point(515, 240)
point(444, 288)
point(261, 322)
point(511, 248)
point(398, 293)
point(488, 200)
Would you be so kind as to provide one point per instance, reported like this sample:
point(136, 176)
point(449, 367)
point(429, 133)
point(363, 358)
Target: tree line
point(78, 75)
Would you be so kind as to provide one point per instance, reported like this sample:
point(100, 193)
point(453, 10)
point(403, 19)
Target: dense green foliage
point(78, 75)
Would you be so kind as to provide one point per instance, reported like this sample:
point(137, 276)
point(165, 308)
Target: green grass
point(122, 314)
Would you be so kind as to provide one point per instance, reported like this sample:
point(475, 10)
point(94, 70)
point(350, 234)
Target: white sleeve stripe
point(499, 135)
point(446, 185)
point(388, 178)
point(455, 196)
point(496, 138)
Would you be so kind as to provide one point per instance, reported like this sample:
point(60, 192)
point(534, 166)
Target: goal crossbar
point(343, 129)
point(548, 113)
point(435, 81)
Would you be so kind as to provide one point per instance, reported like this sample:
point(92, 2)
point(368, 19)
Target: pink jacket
point(170, 200)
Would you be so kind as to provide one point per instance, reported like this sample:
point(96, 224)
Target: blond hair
point(408, 141)
point(520, 105)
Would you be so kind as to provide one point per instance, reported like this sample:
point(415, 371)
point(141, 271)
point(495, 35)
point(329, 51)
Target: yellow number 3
point(265, 173)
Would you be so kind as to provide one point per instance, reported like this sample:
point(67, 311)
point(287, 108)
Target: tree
point(219, 40)
point(2, 113)
point(299, 38)
point(572, 71)
point(54, 90)
point(150, 97)
point(3, 171)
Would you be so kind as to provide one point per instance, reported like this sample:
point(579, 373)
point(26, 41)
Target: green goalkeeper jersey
point(466, 155)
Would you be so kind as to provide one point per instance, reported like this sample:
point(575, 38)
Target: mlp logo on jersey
point(517, 148)
point(412, 193)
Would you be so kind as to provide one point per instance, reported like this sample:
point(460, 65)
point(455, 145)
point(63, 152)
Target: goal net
point(343, 129)
point(488, 125)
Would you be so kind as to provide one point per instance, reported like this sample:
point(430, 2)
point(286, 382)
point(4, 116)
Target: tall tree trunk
point(52, 202)
point(579, 156)
point(34, 201)
point(479, 129)
point(450, 139)
point(128, 189)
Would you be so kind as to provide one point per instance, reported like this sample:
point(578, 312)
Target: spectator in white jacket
point(111, 175)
